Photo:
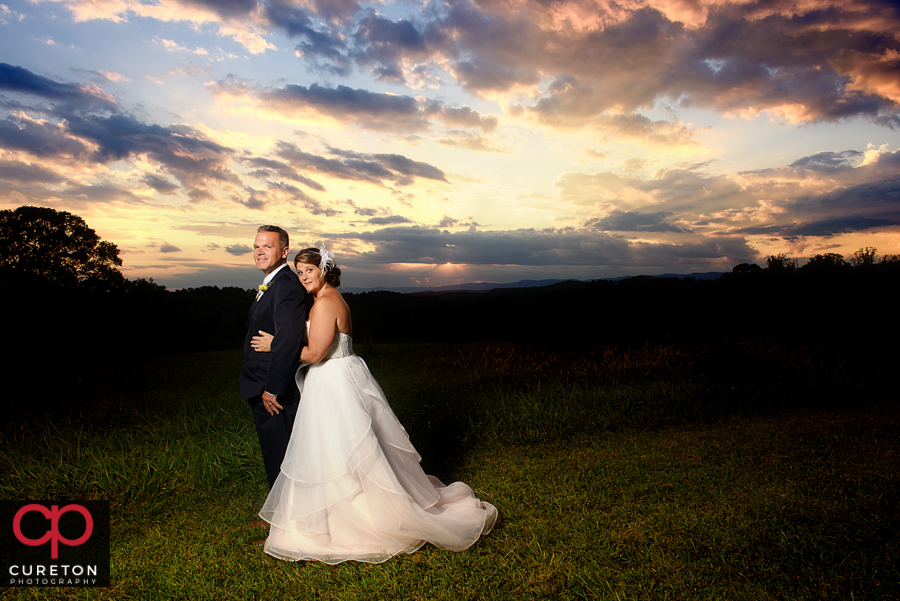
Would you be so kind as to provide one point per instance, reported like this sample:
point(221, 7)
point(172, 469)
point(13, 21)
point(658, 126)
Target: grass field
point(741, 471)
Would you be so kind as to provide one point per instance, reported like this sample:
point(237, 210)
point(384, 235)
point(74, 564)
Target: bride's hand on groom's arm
point(262, 343)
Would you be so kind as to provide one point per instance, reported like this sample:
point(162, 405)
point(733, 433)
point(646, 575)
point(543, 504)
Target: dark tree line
point(828, 302)
point(71, 320)
point(64, 294)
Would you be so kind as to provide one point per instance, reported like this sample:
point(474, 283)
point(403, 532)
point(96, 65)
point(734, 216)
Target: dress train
point(351, 487)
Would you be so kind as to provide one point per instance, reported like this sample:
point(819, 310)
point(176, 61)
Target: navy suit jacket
point(281, 311)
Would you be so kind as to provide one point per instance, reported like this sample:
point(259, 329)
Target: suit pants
point(274, 432)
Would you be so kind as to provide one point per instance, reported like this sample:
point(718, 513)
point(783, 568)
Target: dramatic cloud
point(630, 221)
point(292, 195)
point(374, 168)
point(824, 228)
point(379, 112)
point(881, 197)
point(806, 65)
point(390, 220)
point(182, 151)
point(84, 195)
point(539, 248)
point(806, 62)
point(39, 138)
point(460, 117)
point(830, 162)
point(160, 184)
point(830, 227)
point(70, 96)
point(185, 153)
point(386, 45)
point(16, 171)
point(367, 109)
point(822, 195)
point(268, 168)
point(237, 249)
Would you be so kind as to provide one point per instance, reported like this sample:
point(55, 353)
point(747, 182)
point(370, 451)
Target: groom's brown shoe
point(258, 524)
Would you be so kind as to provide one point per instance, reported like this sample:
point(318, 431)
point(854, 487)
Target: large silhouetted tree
point(864, 258)
point(829, 265)
point(42, 246)
point(827, 261)
point(746, 269)
point(890, 265)
point(779, 268)
point(780, 263)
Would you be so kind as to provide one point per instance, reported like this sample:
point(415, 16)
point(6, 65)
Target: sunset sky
point(436, 143)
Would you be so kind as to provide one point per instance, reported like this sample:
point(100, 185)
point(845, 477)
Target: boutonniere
point(263, 288)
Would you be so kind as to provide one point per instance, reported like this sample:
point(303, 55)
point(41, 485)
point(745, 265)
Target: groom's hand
point(270, 403)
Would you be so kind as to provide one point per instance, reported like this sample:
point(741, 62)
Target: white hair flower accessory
point(327, 259)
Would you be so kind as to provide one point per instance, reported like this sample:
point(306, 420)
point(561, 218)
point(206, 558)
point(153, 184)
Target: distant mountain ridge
point(486, 286)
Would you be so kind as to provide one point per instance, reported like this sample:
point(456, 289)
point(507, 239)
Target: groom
point(267, 379)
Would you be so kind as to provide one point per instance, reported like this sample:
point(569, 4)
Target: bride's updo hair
point(312, 256)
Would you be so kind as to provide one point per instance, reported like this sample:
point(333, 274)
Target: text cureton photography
point(59, 575)
point(55, 543)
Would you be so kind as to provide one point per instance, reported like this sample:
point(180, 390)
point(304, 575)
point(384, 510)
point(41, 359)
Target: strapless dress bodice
point(341, 346)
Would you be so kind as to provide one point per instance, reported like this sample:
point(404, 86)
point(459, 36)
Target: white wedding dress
point(351, 487)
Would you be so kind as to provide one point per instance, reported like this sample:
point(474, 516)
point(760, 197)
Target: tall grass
point(734, 471)
point(176, 425)
point(540, 394)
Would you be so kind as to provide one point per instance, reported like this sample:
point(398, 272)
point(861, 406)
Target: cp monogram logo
point(53, 514)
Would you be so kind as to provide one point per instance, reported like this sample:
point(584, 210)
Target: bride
point(351, 487)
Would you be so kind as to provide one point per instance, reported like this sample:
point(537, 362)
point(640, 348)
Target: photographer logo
point(53, 534)
point(53, 543)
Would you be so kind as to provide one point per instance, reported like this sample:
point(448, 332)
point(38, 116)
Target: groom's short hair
point(282, 235)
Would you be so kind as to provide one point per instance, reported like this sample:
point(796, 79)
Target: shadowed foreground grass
point(647, 474)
